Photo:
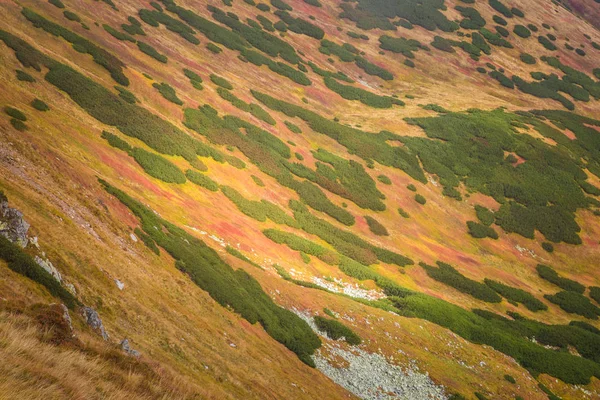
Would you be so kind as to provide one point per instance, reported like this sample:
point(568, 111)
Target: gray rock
point(47, 265)
point(127, 349)
point(67, 318)
point(12, 225)
point(119, 284)
point(93, 320)
point(71, 288)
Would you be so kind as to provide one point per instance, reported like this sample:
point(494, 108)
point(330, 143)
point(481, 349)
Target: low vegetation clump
point(220, 81)
point(194, 78)
point(549, 274)
point(15, 113)
point(575, 303)
point(201, 180)
point(336, 330)
point(376, 227)
point(39, 105)
point(213, 48)
point(403, 213)
point(365, 97)
point(446, 274)
point(522, 31)
point(527, 58)
point(168, 92)
point(155, 18)
point(595, 293)
point(118, 35)
point(24, 76)
point(516, 295)
point(126, 95)
point(252, 108)
point(258, 210)
point(238, 254)
point(480, 231)
point(420, 199)
point(158, 166)
point(152, 52)
point(384, 179)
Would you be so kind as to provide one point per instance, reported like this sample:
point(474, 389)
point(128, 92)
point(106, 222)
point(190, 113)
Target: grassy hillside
point(238, 186)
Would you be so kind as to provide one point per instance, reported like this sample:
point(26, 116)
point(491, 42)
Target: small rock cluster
point(371, 376)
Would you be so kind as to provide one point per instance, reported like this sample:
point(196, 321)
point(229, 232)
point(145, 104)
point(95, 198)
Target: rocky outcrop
point(93, 320)
point(12, 225)
point(47, 265)
point(127, 349)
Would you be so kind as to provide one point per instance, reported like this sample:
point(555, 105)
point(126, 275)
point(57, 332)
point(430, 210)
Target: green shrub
point(411, 187)
point(15, 113)
point(213, 48)
point(236, 253)
point(258, 210)
point(549, 274)
point(595, 293)
point(451, 277)
point(420, 199)
point(527, 58)
point(485, 215)
point(24, 76)
point(292, 127)
point(168, 92)
point(257, 180)
point(117, 142)
point(522, 31)
point(575, 303)
point(126, 95)
point(336, 330)
point(546, 43)
point(548, 247)
point(151, 51)
point(376, 227)
point(510, 379)
point(222, 82)
point(118, 35)
point(384, 179)
point(499, 20)
point(158, 166)
point(364, 96)
point(194, 78)
point(301, 26)
point(480, 231)
point(39, 105)
point(71, 16)
point(23, 264)
point(516, 295)
point(57, 3)
point(18, 124)
point(155, 18)
point(201, 180)
point(252, 108)
point(501, 8)
point(403, 213)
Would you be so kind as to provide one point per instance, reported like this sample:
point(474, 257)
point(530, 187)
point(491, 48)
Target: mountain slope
point(209, 177)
